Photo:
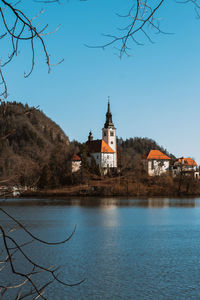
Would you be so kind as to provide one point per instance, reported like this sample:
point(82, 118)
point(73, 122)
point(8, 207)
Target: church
point(104, 151)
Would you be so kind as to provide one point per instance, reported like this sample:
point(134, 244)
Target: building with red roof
point(187, 161)
point(75, 157)
point(157, 155)
point(185, 166)
point(98, 146)
point(157, 163)
point(75, 163)
point(104, 151)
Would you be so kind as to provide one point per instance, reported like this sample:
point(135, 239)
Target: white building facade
point(75, 163)
point(185, 166)
point(104, 151)
point(157, 163)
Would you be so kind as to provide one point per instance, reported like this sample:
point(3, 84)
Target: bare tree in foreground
point(140, 22)
point(15, 25)
point(25, 284)
point(19, 27)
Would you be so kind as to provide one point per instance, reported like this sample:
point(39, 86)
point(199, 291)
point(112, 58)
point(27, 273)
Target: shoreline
point(104, 193)
point(63, 195)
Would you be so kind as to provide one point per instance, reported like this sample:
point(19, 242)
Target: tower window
point(104, 133)
point(112, 142)
point(111, 133)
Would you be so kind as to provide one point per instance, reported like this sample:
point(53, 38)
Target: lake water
point(125, 248)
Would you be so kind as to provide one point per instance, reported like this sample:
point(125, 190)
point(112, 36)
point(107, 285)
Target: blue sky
point(154, 93)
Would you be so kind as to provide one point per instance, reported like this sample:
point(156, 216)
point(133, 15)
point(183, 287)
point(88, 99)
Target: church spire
point(108, 104)
point(109, 122)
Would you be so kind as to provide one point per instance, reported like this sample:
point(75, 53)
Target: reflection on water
point(106, 202)
point(143, 249)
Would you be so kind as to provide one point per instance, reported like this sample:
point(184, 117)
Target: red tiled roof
point(97, 146)
point(157, 154)
point(187, 161)
point(75, 157)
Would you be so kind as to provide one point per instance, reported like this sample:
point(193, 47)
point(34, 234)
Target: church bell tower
point(109, 133)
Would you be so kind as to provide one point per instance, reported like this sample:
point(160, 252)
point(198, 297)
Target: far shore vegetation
point(35, 155)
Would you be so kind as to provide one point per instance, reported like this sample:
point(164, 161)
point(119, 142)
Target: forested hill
point(131, 151)
point(27, 139)
point(34, 151)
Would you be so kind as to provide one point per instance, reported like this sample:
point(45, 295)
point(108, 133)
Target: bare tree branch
point(11, 247)
point(140, 17)
point(22, 30)
point(34, 237)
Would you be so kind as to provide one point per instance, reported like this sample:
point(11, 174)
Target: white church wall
point(104, 160)
point(109, 136)
point(112, 139)
point(107, 160)
point(115, 160)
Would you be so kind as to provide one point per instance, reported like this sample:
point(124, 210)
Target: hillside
point(28, 138)
point(131, 151)
point(34, 151)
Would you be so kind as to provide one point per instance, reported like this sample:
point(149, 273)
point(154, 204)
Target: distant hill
point(132, 150)
point(27, 139)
